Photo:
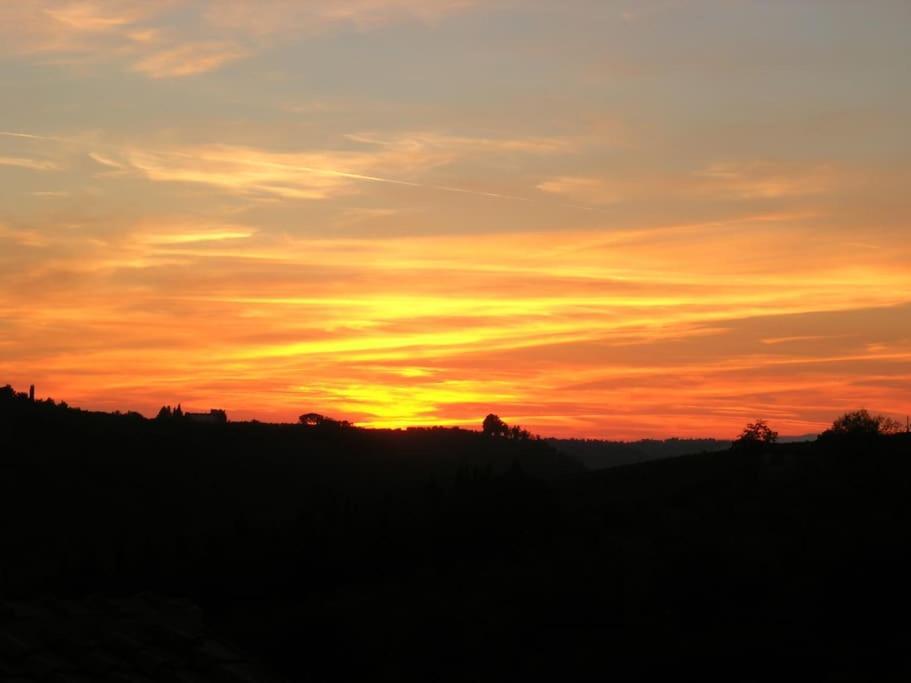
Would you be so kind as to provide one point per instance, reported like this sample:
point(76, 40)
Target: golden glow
point(440, 331)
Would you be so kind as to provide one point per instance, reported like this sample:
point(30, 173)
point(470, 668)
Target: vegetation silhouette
point(321, 421)
point(860, 424)
point(494, 426)
point(756, 435)
point(345, 554)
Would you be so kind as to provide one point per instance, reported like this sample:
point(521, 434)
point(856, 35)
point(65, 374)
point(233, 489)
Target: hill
point(349, 555)
point(599, 454)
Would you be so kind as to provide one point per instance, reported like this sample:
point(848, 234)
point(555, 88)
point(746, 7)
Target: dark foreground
point(139, 550)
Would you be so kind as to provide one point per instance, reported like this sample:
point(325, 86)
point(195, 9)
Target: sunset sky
point(592, 217)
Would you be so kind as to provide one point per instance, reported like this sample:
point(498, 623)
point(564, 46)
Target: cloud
point(247, 170)
point(190, 233)
point(750, 180)
point(189, 59)
point(286, 17)
point(105, 161)
point(91, 17)
point(459, 145)
point(403, 159)
point(762, 180)
point(23, 238)
point(28, 136)
point(71, 27)
point(587, 190)
point(180, 38)
point(637, 331)
point(30, 164)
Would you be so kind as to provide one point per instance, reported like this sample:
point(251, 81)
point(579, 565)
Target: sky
point(593, 218)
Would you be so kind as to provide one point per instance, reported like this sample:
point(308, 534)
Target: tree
point(494, 426)
point(519, 434)
point(860, 423)
point(756, 434)
point(317, 420)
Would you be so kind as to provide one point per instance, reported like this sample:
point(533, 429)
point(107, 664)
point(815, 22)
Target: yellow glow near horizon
point(405, 353)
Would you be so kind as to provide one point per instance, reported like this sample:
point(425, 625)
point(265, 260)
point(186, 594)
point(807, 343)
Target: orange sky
point(406, 213)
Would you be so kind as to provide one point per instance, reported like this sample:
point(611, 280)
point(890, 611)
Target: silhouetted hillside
point(599, 454)
point(341, 554)
point(118, 492)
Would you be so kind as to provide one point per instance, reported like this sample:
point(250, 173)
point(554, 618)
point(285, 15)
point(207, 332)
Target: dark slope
point(120, 494)
point(598, 454)
point(443, 555)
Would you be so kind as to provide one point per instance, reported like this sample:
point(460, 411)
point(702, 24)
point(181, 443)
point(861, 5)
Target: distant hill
point(598, 454)
point(797, 439)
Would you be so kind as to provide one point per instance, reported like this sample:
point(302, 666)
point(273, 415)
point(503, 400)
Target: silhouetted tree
point(317, 420)
point(756, 434)
point(860, 423)
point(516, 432)
point(494, 426)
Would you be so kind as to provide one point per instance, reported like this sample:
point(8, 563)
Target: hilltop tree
point(756, 434)
point(317, 420)
point(516, 432)
point(494, 426)
point(860, 423)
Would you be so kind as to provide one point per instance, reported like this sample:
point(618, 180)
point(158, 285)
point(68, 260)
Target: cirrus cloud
point(180, 38)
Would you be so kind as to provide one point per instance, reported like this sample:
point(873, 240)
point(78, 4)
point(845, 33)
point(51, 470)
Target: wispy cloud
point(79, 28)
point(720, 180)
point(189, 233)
point(30, 164)
point(407, 332)
point(104, 160)
point(764, 180)
point(307, 175)
point(189, 59)
point(156, 39)
point(445, 144)
point(283, 17)
point(403, 159)
point(587, 190)
point(91, 17)
point(27, 136)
